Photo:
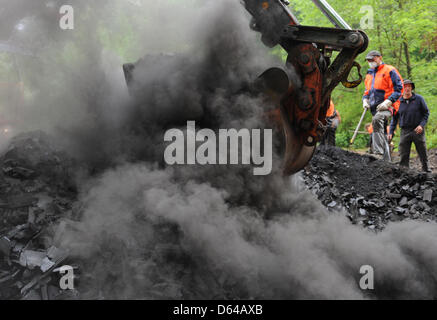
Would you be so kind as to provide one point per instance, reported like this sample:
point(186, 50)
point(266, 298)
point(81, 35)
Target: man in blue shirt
point(412, 116)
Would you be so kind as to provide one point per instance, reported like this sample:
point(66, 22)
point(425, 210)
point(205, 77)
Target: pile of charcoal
point(373, 192)
point(35, 192)
point(38, 194)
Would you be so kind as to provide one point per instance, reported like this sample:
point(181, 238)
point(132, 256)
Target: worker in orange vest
point(383, 89)
point(333, 119)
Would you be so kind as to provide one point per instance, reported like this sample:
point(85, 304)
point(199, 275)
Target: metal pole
point(331, 14)
point(358, 127)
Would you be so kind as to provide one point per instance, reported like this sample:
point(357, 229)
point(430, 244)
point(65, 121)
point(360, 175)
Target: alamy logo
point(366, 21)
point(180, 151)
point(67, 280)
point(67, 19)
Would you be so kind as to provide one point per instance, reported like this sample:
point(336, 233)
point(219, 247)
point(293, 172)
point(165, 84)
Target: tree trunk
point(407, 58)
point(400, 55)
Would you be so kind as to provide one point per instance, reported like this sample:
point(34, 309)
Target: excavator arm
point(304, 102)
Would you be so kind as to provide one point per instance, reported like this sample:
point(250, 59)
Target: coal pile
point(373, 192)
point(37, 210)
point(36, 190)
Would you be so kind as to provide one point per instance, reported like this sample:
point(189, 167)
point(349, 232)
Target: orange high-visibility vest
point(383, 82)
point(332, 112)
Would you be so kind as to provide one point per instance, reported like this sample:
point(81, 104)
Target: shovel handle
point(358, 127)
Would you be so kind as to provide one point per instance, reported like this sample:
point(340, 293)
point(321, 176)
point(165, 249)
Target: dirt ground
point(414, 159)
point(432, 157)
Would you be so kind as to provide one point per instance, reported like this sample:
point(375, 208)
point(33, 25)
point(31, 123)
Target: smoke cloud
point(150, 231)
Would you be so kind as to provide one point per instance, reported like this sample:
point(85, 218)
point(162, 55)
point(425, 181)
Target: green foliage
point(343, 139)
point(399, 26)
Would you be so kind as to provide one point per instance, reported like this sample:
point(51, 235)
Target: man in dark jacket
point(412, 116)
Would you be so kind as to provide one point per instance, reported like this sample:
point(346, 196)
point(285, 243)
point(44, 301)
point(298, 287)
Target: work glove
point(385, 106)
point(366, 104)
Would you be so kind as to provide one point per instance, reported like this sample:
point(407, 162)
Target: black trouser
point(408, 136)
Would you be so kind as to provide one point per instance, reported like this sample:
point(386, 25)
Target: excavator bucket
point(275, 83)
point(297, 154)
